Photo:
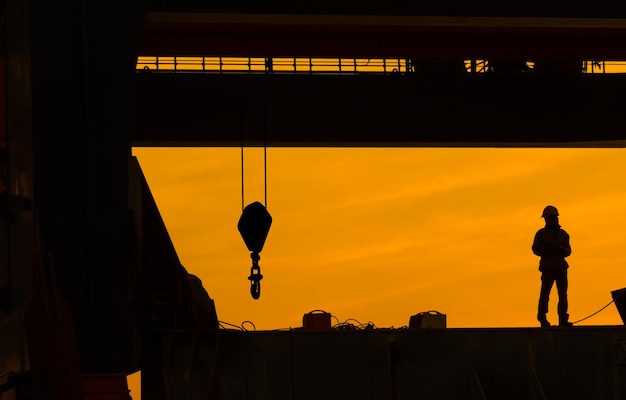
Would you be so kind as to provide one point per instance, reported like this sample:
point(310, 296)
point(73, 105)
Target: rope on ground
point(597, 312)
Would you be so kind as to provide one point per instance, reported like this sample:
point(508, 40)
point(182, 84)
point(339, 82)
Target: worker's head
point(550, 211)
point(551, 215)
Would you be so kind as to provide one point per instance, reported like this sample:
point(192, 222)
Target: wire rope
point(597, 312)
point(241, 128)
point(265, 151)
point(242, 173)
point(601, 309)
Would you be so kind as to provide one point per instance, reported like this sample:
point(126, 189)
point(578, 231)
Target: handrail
point(341, 66)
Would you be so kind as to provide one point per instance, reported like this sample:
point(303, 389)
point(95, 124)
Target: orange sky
point(381, 234)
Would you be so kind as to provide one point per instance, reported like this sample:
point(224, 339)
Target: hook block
point(254, 225)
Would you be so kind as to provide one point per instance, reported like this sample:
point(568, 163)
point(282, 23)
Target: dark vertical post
point(16, 220)
point(83, 63)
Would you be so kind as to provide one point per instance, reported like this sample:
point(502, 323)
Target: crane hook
point(255, 276)
point(254, 225)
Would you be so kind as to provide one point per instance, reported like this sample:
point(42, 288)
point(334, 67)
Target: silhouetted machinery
point(91, 288)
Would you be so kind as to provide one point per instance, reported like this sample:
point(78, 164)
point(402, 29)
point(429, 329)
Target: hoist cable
point(265, 151)
point(242, 182)
point(241, 128)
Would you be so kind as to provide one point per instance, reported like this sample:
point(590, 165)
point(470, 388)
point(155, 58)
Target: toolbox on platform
point(428, 320)
point(317, 320)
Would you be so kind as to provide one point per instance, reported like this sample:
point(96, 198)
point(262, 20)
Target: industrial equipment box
point(316, 321)
point(428, 320)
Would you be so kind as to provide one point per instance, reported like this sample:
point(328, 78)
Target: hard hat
point(550, 211)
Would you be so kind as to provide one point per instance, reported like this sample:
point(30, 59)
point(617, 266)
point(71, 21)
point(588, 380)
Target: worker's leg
point(547, 280)
point(561, 287)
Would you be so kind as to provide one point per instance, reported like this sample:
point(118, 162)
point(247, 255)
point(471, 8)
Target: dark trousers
point(548, 277)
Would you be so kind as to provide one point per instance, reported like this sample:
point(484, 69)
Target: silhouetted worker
point(552, 245)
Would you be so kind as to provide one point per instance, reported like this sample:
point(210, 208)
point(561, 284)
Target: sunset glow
point(381, 234)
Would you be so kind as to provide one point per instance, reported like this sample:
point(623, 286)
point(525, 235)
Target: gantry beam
point(583, 110)
point(527, 29)
point(372, 36)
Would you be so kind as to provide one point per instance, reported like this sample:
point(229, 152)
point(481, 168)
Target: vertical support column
point(83, 61)
point(4, 227)
point(16, 192)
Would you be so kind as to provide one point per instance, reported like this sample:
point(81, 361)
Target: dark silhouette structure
point(551, 243)
point(91, 287)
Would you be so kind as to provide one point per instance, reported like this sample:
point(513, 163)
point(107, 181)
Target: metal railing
point(296, 65)
point(339, 66)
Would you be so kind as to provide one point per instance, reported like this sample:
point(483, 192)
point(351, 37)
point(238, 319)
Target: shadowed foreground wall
point(532, 363)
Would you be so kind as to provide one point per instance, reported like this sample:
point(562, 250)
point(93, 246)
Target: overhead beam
point(482, 8)
point(373, 110)
point(372, 36)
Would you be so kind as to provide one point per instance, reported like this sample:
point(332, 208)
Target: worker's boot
point(543, 320)
point(564, 320)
